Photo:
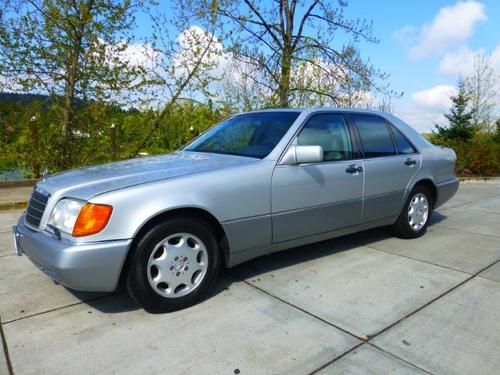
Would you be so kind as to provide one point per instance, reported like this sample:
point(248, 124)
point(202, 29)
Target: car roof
point(319, 109)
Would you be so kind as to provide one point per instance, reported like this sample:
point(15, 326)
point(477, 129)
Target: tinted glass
point(253, 134)
point(404, 146)
point(375, 136)
point(330, 132)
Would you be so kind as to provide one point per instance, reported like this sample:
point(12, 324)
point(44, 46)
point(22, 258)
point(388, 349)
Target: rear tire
point(416, 214)
point(174, 265)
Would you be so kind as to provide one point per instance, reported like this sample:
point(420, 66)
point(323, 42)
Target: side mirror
point(303, 154)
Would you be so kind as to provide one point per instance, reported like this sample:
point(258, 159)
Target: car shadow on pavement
point(119, 301)
point(113, 302)
point(436, 217)
point(307, 253)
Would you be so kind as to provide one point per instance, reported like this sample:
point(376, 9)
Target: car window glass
point(375, 136)
point(404, 146)
point(253, 134)
point(329, 131)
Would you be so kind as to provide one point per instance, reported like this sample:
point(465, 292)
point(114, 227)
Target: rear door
point(390, 162)
point(314, 198)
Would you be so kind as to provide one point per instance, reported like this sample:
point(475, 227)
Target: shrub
point(478, 157)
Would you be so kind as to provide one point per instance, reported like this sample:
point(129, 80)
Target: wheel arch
point(429, 184)
point(184, 212)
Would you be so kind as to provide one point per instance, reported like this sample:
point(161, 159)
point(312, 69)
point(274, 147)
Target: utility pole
point(113, 141)
point(34, 141)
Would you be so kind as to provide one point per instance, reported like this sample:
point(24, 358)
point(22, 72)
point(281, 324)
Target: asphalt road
point(365, 303)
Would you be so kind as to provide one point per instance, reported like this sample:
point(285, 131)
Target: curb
point(18, 183)
point(13, 205)
point(480, 180)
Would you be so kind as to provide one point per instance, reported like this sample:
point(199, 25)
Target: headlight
point(64, 214)
point(79, 218)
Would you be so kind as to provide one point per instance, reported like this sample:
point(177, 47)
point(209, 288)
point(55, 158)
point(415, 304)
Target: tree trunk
point(287, 11)
point(67, 119)
point(114, 152)
point(71, 79)
point(284, 86)
point(34, 146)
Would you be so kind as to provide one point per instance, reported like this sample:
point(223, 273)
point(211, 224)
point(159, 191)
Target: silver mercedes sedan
point(254, 184)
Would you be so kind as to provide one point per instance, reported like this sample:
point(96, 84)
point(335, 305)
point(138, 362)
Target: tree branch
point(302, 23)
point(264, 23)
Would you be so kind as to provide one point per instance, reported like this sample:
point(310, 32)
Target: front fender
point(228, 195)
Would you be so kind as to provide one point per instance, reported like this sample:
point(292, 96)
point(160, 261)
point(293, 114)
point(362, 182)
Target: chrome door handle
point(410, 162)
point(353, 168)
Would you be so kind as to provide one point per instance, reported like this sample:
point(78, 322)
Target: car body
point(255, 206)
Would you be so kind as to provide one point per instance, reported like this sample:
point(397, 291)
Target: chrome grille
point(36, 207)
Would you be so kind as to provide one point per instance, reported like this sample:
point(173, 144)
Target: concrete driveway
point(366, 303)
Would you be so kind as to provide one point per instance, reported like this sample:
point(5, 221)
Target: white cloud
point(11, 84)
point(421, 120)
point(450, 27)
point(495, 58)
point(426, 107)
point(405, 35)
point(192, 42)
point(140, 55)
point(459, 62)
point(435, 98)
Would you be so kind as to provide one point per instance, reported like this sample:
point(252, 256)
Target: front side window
point(329, 131)
point(404, 146)
point(375, 137)
point(253, 134)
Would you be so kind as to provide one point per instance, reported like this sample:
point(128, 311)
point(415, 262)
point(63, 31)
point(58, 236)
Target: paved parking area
point(365, 303)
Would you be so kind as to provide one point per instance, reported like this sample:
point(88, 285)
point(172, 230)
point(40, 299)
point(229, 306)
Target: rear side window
point(404, 146)
point(328, 130)
point(375, 136)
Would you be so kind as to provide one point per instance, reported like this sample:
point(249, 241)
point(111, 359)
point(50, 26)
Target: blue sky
point(424, 46)
point(392, 55)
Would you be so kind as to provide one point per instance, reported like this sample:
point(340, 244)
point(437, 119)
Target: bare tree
point(183, 59)
point(325, 84)
point(239, 90)
point(385, 105)
point(277, 36)
point(482, 87)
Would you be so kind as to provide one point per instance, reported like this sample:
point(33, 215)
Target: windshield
point(254, 134)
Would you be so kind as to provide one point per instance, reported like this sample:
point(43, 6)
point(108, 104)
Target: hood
point(84, 183)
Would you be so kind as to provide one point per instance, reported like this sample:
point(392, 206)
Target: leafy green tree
point(101, 126)
point(67, 50)
point(460, 117)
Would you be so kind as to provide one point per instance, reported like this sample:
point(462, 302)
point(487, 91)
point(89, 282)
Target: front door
point(309, 199)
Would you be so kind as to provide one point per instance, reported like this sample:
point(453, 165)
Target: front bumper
point(92, 266)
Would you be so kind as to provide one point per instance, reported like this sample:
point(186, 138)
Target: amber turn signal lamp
point(92, 219)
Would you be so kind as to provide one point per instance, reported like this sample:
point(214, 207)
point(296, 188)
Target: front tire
point(173, 265)
point(416, 214)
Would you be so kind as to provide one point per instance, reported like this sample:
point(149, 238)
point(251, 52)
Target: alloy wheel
point(177, 265)
point(418, 212)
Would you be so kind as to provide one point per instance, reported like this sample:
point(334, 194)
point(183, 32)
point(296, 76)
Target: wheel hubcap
point(177, 265)
point(418, 212)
